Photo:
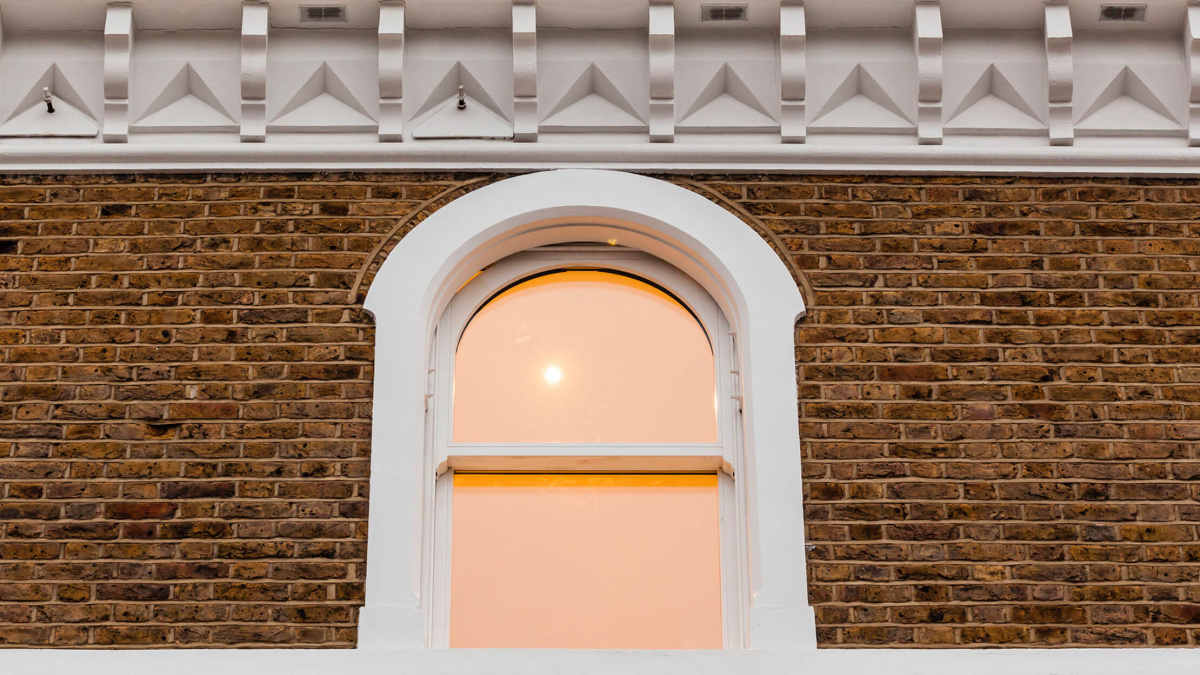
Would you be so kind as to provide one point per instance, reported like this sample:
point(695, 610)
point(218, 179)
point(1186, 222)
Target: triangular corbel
point(994, 105)
point(475, 115)
point(727, 104)
point(859, 103)
point(186, 103)
point(593, 103)
point(1130, 104)
point(72, 117)
point(323, 103)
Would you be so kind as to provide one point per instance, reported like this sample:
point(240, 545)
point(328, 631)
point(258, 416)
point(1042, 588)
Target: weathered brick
point(995, 388)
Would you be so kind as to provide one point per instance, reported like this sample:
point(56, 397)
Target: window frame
point(724, 457)
point(738, 269)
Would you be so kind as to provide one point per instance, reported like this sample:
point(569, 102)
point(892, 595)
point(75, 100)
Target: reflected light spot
point(553, 374)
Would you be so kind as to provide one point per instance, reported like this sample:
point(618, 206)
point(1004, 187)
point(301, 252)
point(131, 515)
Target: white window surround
point(714, 248)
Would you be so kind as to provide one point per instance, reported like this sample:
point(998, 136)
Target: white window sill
point(582, 662)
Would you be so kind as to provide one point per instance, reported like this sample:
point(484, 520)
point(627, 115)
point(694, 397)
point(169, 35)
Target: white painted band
point(504, 156)
point(586, 662)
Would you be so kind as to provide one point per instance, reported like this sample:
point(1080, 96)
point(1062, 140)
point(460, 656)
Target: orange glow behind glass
point(585, 561)
point(584, 356)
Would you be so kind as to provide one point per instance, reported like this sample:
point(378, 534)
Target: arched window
point(582, 356)
point(489, 250)
point(585, 433)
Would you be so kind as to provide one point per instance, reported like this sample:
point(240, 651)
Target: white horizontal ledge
point(584, 662)
point(655, 457)
point(501, 156)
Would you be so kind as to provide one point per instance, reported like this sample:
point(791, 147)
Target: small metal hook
point(48, 98)
point(462, 98)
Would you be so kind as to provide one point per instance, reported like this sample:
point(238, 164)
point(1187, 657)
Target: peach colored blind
point(584, 356)
point(591, 561)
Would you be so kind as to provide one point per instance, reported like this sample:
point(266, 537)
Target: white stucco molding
point(927, 39)
point(738, 269)
point(1191, 42)
point(626, 54)
point(391, 70)
point(256, 29)
point(1060, 71)
point(465, 155)
point(662, 71)
point(793, 71)
point(525, 91)
point(118, 50)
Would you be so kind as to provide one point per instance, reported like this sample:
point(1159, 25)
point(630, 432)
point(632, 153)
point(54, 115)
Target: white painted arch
point(738, 269)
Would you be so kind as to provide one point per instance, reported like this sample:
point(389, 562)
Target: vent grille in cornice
point(1122, 12)
point(724, 12)
point(322, 14)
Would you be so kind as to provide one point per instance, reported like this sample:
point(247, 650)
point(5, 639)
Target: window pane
point(585, 561)
point(584, 356)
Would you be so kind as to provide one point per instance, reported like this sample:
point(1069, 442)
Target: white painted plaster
point(525, 85)
point(255, 34)
point(360, 14)
point(185, 82)
point(662, 71)
point(995, 83)
point(70, 65)
point(1060, 71)
point(851, 74)
point(726, 82)
point(479, 61)
point(391, 70)
point(1191, 41)
point(323, 82)
point(927, 38)
point(597, 81)
point(868, 82)
point(748, 155)
point(1129, 84)
point(118, 50)
point(793, 69)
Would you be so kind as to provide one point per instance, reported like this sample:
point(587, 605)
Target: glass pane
point(584, 357)
point(585, 561)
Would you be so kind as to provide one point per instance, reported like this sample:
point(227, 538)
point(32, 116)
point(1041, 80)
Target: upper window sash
point(484, 286)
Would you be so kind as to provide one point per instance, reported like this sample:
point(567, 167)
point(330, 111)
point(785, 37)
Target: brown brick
point(996, 377)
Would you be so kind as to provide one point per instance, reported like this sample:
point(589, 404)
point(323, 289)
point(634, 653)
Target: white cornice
point(501, 156)
point(1039, 86)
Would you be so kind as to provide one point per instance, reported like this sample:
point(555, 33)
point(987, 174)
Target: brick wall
point(997, 380)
